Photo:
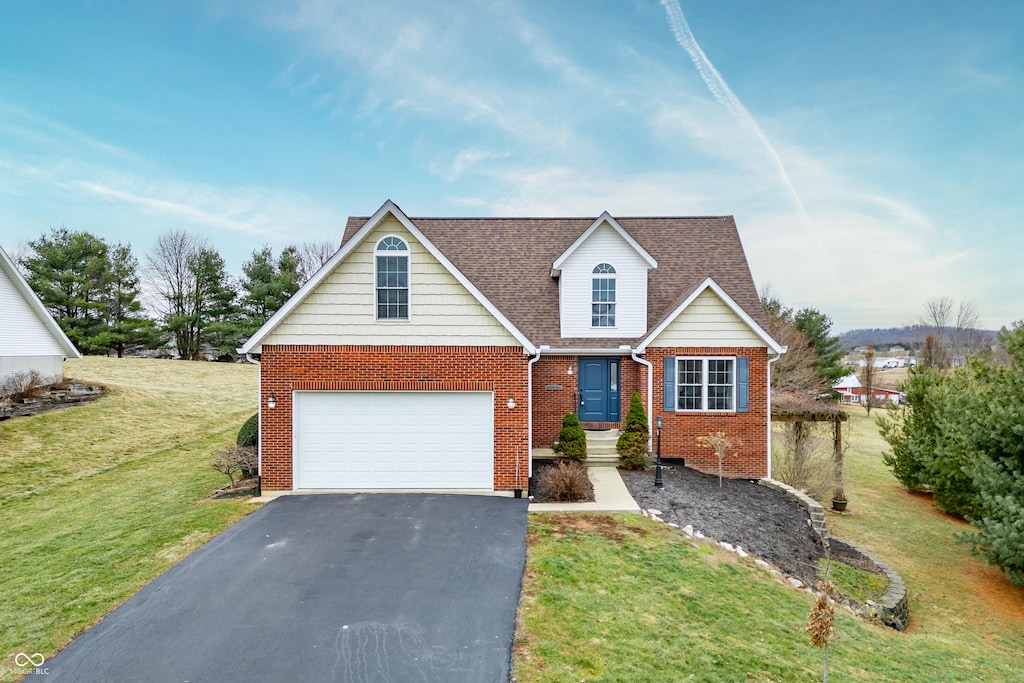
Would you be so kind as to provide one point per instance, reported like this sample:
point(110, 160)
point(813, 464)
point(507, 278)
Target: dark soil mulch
point(762, 521)
point(541, 494)
point(242, 487)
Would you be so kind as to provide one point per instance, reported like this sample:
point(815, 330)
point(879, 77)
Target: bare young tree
point(312, 256)
point(965, 323)
point(938, 313)
point(933, 354)
point(867, 377)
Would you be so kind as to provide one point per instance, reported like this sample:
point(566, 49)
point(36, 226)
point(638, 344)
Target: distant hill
point(909, 337)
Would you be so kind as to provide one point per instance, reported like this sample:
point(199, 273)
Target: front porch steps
point(600, 449)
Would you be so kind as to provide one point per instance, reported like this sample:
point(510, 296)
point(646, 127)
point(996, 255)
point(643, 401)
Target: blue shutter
point(670, 383)
point(743, 384)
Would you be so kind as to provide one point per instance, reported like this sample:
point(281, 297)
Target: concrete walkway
point(610, 495)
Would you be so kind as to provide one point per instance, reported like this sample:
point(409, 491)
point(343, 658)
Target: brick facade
point(500, 369)
point(678, 436)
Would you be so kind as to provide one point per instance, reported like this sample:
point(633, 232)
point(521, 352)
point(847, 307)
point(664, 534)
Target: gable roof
point(368, 225)
point(604, 218)
point(509, 260)
point(709, 283)
point(9, 271)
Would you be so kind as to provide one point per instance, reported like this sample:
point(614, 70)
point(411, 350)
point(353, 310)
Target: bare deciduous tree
point(933, 354)
point(312, 256)
point(938, 313)
point(965, 321)
point(867, 377)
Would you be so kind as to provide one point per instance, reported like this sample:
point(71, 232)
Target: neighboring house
point(30, 339)
point(436, 353)
point(852, 391)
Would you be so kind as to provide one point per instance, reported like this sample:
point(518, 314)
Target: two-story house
point(437, 353)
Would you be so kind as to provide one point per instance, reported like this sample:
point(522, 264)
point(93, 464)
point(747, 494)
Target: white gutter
point(650, 396)
point(605, 351)
point(529, 417)
point(769, 388)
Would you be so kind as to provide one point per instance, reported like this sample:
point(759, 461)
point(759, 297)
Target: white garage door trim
point(393, 440)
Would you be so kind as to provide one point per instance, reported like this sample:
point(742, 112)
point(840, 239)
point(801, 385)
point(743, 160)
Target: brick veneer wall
point(501, 369)
point(551, 405)
point(680, 431)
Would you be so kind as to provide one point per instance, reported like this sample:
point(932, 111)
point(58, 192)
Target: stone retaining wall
point(893, 608)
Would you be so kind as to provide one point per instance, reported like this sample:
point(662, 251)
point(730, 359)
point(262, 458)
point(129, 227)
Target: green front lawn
point(627, 599)
point(97, 500)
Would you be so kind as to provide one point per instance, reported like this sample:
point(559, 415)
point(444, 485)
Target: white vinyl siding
point(49, 367)
point(708, 321)
point(342, 310)
point(393, 440)
point(576, 292)
point(22, 333)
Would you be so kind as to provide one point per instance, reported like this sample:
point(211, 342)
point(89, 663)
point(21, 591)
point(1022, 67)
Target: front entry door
point(599, 390)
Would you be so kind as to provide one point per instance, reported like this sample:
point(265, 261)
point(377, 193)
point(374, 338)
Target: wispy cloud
point(725, 96)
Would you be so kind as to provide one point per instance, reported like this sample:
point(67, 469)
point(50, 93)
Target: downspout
point(529, 415)
point(769, 388)
point(259, 426)
point(650, 395)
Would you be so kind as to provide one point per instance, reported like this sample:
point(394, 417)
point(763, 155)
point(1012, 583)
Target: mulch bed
point(242, 487)
point(762, 521)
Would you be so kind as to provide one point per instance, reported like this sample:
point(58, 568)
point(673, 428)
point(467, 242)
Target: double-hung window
point(602, 300)
point(392, 271)
point(706, 384)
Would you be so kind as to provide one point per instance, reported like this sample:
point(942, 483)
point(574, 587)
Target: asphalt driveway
point(361, 587)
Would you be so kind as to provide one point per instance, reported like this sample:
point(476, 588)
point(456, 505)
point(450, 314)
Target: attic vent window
point(392, 271)
point(602, 304)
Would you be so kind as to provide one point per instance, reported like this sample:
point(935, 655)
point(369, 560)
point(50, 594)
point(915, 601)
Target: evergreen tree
point(266, 285)
point(818, 328)
point(125, 326)
point(632, 443)
point(70, 272)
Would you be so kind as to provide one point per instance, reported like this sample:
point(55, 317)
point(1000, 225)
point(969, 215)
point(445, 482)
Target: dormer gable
point(602, 283)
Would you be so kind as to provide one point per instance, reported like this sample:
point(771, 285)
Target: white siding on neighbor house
point(575, 291)
point(342, 309)
point(22, 333)
point(49, 367)
point(708, 321)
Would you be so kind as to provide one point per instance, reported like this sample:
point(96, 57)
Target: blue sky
point(870, 151)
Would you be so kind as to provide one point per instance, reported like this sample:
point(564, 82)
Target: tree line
point(183, 296)
point(960, 437)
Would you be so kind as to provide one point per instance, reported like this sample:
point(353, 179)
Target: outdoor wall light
point(511, 403)
point(569, 371)
point(272, 401)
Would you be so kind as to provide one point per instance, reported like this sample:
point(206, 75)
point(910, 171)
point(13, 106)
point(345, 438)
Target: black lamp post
point(658, 483)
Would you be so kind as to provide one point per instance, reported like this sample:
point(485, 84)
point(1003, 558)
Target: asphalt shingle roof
point(509, 260)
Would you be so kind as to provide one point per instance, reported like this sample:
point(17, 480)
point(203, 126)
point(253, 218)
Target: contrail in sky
point(725, 96)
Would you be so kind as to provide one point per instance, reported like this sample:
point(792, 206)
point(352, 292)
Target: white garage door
point(393, 440)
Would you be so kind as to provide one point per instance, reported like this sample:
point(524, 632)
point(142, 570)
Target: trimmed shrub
point(572, 440)
point(632, 443)
point(249, 437)
point(565, 482)
point(249, 434)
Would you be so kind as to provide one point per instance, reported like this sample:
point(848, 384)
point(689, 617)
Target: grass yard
point(627, 599)
point(97, 500)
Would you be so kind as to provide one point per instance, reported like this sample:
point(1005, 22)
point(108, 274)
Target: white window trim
point(407, 253)
point(704, 385)
point(604, 276)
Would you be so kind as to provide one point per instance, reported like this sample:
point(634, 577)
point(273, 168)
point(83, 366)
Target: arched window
point(392, 269)
point(602, 302)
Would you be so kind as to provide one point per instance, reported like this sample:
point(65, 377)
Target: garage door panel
point(393, 440)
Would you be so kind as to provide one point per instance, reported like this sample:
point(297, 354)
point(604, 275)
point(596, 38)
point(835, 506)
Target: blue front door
point(599, 390)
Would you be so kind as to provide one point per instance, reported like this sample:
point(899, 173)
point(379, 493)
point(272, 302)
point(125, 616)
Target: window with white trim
point(392, 275)
point(602, 301)
point(707, 384)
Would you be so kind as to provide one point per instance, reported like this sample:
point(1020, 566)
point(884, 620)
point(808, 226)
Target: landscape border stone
point(893, 608)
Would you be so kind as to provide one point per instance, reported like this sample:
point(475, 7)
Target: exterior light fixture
point(272, 401)
point(658, 483)
point(569, 371)
point(511, 403)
